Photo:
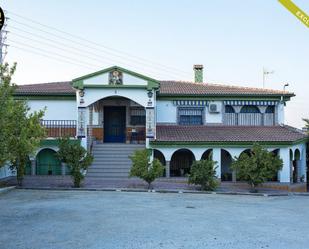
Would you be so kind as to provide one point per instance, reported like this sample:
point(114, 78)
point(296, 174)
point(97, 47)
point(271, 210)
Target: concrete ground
point(36, 219)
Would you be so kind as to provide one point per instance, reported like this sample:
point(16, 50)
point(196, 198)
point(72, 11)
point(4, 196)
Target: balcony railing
point(60, 128)
point(249, 119)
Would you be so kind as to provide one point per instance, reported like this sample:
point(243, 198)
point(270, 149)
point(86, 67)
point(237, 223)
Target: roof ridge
point(44, 83)
point(229, 86)
point(291, 128)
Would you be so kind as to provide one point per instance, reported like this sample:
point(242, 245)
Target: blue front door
point(114, 124)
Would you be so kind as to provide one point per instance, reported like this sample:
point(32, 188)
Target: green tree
point(257, 166)
point(142, 168)
point(204, 173)
point(76, 157)
point(22, 131)
point(6, 102)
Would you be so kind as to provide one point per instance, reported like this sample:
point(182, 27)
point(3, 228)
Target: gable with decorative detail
point(115, 77)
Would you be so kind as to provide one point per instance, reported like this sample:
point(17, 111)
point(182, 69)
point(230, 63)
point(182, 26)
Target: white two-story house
point(116, 111)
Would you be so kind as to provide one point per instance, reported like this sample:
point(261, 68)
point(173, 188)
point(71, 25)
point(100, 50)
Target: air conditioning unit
point(214, 108)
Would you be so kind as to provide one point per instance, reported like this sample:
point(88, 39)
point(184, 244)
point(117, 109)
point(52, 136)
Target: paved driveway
point(81, 219)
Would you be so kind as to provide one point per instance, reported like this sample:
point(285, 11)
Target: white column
point(167, 169)
point(217, 158)
point(33, 167)
point(280, 110)
point(303, 164)
point(62, 168)
point(285, 173)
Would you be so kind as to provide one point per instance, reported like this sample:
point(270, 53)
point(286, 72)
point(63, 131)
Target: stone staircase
point(111, 160)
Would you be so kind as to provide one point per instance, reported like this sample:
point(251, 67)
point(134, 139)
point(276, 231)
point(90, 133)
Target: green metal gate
point(48, 163)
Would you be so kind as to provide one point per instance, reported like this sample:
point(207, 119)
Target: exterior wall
point(214, 117)
point(280, 113)
point(55, 109)
point(94, 94)
point(166, 112)
point(6, 172)
point(127, 80)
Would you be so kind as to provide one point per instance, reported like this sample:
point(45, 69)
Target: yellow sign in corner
point(295, 10)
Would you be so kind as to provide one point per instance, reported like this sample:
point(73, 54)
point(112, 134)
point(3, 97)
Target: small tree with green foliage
point(6, 103)
point(76, 157)
point(142, 168)
point(20, 130)
point(204, 173)
point(257, 166)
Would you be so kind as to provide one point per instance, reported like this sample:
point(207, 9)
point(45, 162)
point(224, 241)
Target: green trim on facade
point(117, 86)
point(45, 97)
point(160, 144)
point(152, 83)
point(55, 142)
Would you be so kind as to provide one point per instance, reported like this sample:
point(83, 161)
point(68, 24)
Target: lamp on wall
point(81, 95)
point(150, 94)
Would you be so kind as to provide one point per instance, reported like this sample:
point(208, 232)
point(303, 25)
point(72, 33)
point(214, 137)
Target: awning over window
point(250, 102)
point(190, 111)
point(190, 102)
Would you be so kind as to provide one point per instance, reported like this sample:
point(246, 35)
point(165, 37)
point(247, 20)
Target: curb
point(6, 189)
point(161, 191)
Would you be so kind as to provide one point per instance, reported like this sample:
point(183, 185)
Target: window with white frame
point(190, 115)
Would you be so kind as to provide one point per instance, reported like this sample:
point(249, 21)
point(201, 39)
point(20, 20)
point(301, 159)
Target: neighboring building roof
point(52, 88)
point(191, 88)
point(224, 134)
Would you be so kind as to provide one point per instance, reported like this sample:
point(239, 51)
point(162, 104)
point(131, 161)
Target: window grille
point(137, 116)
point(190, 116)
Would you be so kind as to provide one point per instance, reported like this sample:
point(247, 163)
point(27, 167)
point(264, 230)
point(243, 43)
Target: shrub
point(76, 157)
point(204, 173)
point(257, 167)
point(142, 168)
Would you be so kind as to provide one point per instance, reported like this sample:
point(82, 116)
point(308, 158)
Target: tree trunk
point(20, 174)
point(253, 188)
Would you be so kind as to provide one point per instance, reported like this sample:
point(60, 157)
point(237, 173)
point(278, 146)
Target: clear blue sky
point(234, 40)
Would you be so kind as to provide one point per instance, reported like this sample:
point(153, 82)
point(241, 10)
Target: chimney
point(198, 73)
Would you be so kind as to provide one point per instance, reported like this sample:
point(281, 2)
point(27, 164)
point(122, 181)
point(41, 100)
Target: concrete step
point(108, 174)
point(109, 170)
point(112, 160)
point(118, 144)
point(109, 165)
point(117, 147)
point(112, 155)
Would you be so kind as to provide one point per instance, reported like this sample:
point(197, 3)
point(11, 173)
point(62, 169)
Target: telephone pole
point(3, 44)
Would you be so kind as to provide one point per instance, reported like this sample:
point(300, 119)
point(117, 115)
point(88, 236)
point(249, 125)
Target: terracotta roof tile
point(177, 133)
point(58, 88)
point(166, 88)
point(183, 88)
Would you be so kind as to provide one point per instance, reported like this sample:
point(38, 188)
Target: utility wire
point(94, 43)
point(60, 55)
point(25, 49)
point(80, 52)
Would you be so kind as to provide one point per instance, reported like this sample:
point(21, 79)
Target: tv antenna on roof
point(266, 72)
